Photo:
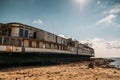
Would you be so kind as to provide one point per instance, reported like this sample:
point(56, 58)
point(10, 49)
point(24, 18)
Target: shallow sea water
point(116, 63)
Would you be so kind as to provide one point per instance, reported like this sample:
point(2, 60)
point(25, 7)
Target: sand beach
point(71, 71)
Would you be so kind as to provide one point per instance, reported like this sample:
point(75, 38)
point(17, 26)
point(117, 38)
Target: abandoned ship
point(24, 44)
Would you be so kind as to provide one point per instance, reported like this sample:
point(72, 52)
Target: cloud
point(61, 35)
point(116, 9)
point(112, 14)
point(38, 22)
point(104, 48)
point(108, 19)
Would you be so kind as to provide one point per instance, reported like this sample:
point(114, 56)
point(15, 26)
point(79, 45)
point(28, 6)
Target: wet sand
point(72, 71)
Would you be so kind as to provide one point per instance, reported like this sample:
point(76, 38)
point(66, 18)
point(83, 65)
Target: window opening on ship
point(26, 34)
point(34, 35)
point(57, 46)
point(6, 41)
point(49, 45)
point(0, 40)
point(30, 43)
point(0, 32)
point(18, 42)
point(21, 32)
point(31, 34)
point(6, 31)
point(9, 32)
point(37, 45)
point(12, 41)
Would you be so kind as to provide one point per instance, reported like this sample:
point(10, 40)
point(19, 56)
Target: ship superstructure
point(17, 38)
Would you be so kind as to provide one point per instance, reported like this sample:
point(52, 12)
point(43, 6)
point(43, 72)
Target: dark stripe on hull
point(40, 58)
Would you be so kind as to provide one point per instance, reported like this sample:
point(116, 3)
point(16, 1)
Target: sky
point(96, 22)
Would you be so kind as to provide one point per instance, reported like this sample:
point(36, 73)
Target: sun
point(82, 4)
point(81, 1)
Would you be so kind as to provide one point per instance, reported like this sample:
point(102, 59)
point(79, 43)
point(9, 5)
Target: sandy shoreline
point(72, 71)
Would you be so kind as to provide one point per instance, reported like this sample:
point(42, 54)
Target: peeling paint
point(9, 49)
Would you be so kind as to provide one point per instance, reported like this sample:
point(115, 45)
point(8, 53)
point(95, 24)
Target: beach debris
point(91, 65)
point(114, 72)
point(96, 79)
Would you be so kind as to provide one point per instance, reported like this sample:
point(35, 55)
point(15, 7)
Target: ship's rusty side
point(20, 43)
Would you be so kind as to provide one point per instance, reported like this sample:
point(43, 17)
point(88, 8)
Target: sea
point(116, 62)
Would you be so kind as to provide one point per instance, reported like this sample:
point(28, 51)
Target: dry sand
point(73, 71)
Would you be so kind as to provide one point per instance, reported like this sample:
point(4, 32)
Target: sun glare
point(82, 4)
point(82, 1)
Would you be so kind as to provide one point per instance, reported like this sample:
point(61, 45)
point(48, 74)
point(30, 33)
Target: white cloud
point(61, 35)
point(112, 14)
point(116, 9)
point(108, 19)
point(38, 22)
point(104, 48)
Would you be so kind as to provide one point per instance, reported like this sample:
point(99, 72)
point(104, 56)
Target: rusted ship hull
point(21, 55)
point(39, 58)
point(22, 44)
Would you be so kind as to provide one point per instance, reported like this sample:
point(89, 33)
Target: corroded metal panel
point(9, 49)
point(43, 38)
point(26, 43)
point(15, 31)
point(59, 40)
point(73, 49)
point(41, 44)
point(64, 41)
point(76, 43)
point(17, 49)
point(2, 48)
point(79, 51)
point(47, 50)
point(34, 44)
point(40, 35)
point(50, 37)
point(52, 46)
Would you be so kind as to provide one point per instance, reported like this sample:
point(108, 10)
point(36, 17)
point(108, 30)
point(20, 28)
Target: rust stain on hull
point(8, 49)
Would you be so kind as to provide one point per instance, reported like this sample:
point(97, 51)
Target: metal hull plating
point(40, 58)
point(21, 55)
point(22, 44)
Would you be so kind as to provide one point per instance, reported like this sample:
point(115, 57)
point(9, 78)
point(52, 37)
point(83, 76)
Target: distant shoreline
point(104, 62)
point(116, 62)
